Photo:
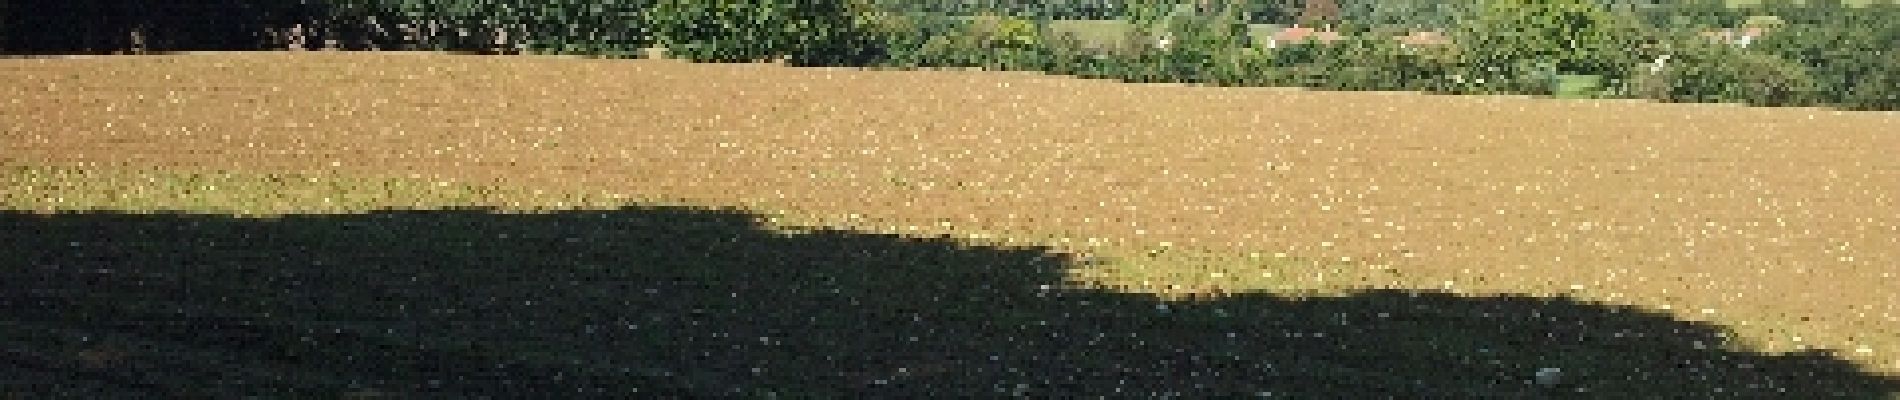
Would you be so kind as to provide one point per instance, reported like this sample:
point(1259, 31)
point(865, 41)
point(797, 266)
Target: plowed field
point(1782, 224)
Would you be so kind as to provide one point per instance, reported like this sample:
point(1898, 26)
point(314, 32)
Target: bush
point(1202, 44)
point(1235, 67)
point(598, 27)
point(1002, 32)
point(846, 33)
point(1878, 88)
point(724, 31)
point(914, 40)
point(1517, 45)
point(807, 31)
point(1378, 63)
point(1710, 72)
point(1852, 56)
point(989, 41)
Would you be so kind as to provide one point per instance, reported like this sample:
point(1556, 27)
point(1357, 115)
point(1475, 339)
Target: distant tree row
point(1817, 52)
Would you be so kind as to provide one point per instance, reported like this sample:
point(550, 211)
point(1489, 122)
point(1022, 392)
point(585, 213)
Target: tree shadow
point(688, 302)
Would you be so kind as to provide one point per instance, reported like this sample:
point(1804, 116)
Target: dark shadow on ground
point(682, 302)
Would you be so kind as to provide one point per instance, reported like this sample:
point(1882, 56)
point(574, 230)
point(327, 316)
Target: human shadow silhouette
point(676, 302)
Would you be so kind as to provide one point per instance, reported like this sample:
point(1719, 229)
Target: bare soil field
point(1778, 223)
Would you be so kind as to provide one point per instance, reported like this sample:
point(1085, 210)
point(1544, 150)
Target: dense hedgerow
point(1814, 53)
point(1823, 55)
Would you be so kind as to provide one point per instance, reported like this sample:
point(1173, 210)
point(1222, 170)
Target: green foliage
point(1012, 43)
point(1051, 9)
point(1149, 17)
point(1700, 71)
point(919, 40)
point(1517, 45)
point(845, 32)
point(1356, 63)
point(1385, 65)
point(1693, 14)
point(1273, 11)
point(1002, 32)
point(1216, 30)
point(1852, 56)
point(600, 27)
point(1201, 44)
point(726, 31)
point(948, 51)
point(897, 36)
point(1114, 35)
point(990, 41)
point(807, 31)
point(1816, 54)
point(1406, 13)
point(1242, 67)
point(1877, 86)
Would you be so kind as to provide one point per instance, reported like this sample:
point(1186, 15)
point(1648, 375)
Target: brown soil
point(1778, 222)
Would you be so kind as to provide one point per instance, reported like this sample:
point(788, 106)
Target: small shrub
point(844, 32)
point(990, 41)
point(1376, 63)
point(946, 50)
point(1071, 55)
point(1006, 32)
point(1294, 54)
point(1242, 67)
point(917, 40)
